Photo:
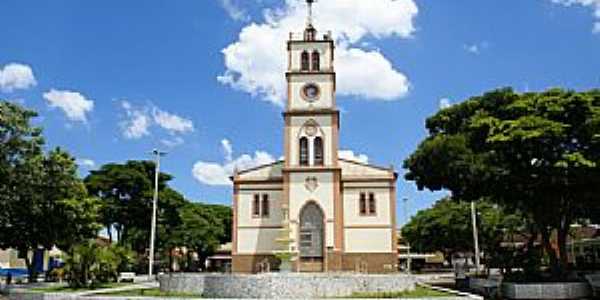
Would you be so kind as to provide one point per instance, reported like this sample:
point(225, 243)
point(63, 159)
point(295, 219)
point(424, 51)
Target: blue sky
point(114, 79)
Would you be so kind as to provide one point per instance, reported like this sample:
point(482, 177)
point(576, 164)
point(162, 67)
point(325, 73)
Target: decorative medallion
point(311, 129)
point(311, 183)
point(311, 92)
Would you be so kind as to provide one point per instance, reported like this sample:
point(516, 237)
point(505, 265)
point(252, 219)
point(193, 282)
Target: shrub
point(90, 264)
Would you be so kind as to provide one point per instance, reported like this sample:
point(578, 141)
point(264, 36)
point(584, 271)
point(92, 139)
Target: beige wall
point(245, 203)
point(4, 259)
point(257, 240)
point(368, 240)
point(352, 215)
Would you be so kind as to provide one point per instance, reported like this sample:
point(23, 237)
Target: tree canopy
point(447, 227)
point(533, 152)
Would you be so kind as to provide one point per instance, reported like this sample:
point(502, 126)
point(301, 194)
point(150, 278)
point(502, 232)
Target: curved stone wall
point(283, 285)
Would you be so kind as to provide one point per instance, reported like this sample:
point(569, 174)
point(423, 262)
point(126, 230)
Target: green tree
point(20, 143)
point(534, 152)
point(127, 192)
point(39, 193)
point(170, 205)
point(200, 231)
point(447, 227)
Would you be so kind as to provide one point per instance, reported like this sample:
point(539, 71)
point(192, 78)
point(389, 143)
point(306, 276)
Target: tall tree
point(41, 196)
point(20, 142)
point(533, 152)
point(127, 192)
point(200, 231)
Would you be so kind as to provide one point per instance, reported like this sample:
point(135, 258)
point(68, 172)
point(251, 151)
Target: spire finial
point(310, 15)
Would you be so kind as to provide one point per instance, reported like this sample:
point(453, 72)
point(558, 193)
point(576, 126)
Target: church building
point(334, 214)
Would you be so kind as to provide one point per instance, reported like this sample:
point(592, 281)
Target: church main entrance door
point(311, 238)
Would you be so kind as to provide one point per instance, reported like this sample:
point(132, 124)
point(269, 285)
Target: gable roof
point(263, 172)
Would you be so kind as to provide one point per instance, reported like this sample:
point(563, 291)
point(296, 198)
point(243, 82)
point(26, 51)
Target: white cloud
point(73, 104)
point(172, 143)
point(137, 123)
point(172, 123)
point(85, 162)
point(234, 10)
point(445, 103)
point(139, 120)
point(476, 48)
point(594, 4)
point(350, 155)
point(256, 62)
point(217, 174)
point(16, 76)
point(227, 149)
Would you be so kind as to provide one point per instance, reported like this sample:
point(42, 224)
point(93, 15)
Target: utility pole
point(408, 254)
point(157, 154)
point(475, 236)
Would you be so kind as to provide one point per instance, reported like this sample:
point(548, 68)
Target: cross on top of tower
point(310, 16)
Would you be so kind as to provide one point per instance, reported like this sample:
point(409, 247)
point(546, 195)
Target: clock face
point(311, 92)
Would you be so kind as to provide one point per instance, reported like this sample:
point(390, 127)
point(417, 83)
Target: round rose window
point(311, 92)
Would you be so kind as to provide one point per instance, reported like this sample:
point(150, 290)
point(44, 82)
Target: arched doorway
point(311, 237)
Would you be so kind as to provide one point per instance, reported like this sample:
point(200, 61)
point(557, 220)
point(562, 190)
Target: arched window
point(305, 63)
point(303, 151)
point(265, 206)
point(316, 61)
point(318, 151)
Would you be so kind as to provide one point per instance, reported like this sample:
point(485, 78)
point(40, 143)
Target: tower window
point(256, 206)
point(316, 61)
point(265, 206)
point(305, 61)
point(303, 151)
point(362, 203)
point(318, 143)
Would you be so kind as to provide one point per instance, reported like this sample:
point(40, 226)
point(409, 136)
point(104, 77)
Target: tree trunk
point(554, 261)
point(170, 260)
point(563, 255)
point(109, 232)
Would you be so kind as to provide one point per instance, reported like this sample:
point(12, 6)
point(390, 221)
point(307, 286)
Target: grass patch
point(419, 292)
point(150, 293)
point(68, 289)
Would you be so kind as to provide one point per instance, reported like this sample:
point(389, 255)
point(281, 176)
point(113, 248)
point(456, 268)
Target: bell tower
point(312, 120)
point(311, 174)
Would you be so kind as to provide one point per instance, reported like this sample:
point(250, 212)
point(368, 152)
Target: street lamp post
point(408, 255)
point(157, 154)
point(475, 236)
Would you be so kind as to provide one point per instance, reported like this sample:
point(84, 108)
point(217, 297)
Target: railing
point(299, 36)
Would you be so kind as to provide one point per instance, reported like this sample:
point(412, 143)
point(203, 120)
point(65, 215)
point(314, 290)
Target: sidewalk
point(137, 286)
